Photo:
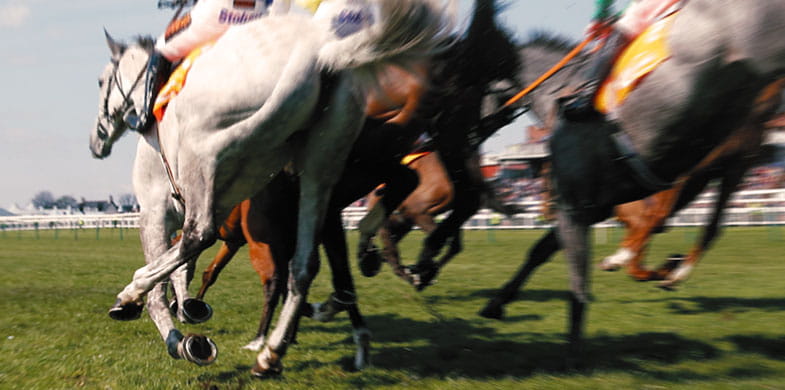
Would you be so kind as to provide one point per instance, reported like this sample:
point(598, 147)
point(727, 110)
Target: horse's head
point(484, 58)
point(495, 53)
point(121, 87)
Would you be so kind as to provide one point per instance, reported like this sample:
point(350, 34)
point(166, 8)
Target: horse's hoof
point(370, 262)
point(493, 312)
point(268, 364)
point(423, 276)
point(668, 284)
point(173, 307)
point(608, 266)
point(196, 311)
point(198, 349)
point(321, 312)
point(672, 262)
point(271, 372)
point(126, 312)
point(362, 338)
point(325, 312)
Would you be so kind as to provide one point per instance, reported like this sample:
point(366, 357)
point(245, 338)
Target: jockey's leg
point(580, 106)
point(158, 70)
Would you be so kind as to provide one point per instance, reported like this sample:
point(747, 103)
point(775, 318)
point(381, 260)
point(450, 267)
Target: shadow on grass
point(771, 348)
point(461, 348)
point(523, 295)
point(719, 304)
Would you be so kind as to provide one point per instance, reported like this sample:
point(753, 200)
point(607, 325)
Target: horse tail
point(407, 31)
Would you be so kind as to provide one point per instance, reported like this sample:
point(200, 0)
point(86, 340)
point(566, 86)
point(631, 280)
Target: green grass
point(723, 329)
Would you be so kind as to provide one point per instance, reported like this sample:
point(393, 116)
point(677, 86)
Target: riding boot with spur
point(158, 70)
point(580, 106)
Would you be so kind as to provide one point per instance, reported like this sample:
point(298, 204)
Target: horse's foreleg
point(400, 182)
point(344, 296)
point(198, 234)
point(155, 235)
point(465, 206)
point(574, 238)
point(390, 234)
point(542, 251)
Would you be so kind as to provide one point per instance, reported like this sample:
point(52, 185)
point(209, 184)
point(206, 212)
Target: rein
point(176, 193)
point(127, 102)
point(553, 70)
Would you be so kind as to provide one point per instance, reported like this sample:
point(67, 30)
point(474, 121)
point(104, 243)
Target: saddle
point(637, 60)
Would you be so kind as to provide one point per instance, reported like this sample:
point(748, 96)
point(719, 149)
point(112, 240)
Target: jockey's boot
point(158, 70)
point(580, 105)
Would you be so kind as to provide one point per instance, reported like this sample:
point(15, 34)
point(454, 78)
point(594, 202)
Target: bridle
point(127, 106)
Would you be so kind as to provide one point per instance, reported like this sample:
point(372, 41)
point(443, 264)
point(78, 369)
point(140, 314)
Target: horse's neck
point(536, 62)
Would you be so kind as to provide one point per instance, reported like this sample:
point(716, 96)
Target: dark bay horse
point(375, 158)
point(669, 127)
point(641, 217)
point(433, 196)
point(467, 82)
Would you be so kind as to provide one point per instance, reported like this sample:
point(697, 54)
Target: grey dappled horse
point(122, 90)
point(724, 53)
point(294, 93)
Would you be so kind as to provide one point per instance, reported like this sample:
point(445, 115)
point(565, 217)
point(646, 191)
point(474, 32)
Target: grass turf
point(723, 329)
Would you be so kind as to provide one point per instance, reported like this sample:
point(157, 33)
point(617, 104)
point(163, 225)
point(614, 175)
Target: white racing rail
point(746, 208)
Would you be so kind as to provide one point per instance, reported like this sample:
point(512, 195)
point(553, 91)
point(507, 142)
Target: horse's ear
point(115, 47)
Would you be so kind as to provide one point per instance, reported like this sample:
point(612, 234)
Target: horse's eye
point(100, 83)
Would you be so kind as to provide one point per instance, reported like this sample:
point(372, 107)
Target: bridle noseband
point(126, 108)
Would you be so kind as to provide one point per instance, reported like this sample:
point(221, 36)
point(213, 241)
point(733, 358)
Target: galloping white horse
point(160, 216)
point(276, 90)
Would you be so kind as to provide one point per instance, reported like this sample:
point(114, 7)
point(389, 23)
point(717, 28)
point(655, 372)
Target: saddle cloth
point(637, 60)
point(176, 82)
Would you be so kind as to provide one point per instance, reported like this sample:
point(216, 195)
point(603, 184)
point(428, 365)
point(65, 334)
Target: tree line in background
point(46, 200)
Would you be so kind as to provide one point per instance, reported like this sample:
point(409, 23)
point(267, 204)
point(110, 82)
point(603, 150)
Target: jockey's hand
point(598, 29)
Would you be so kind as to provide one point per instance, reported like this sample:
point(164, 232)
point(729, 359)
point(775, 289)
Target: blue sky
point(52, 52)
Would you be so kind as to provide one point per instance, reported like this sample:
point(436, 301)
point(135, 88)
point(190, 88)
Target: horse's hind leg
point(262, 260)
point(540, 253)
point(730, 181)
point(225, 254)
point(338, 126)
